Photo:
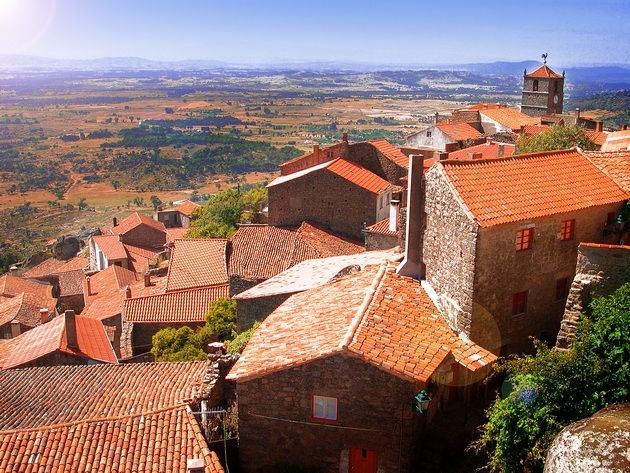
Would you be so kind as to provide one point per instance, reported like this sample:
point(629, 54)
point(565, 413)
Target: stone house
point(497, 240)
point(179, 216)
point(445, 136)
point(330, 376)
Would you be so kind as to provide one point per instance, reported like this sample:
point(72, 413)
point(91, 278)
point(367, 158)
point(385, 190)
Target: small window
point(566, 229)
point(524, 239)
point(562, 289)
point(519, 303)
point(535, 86)
point(324, 407)
point(428, 134)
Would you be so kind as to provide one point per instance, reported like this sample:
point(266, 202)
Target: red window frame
point(567, 229)
point(519, 303)
point(524, 238)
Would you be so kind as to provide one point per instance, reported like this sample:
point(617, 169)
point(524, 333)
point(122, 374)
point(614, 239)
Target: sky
point(572, 32)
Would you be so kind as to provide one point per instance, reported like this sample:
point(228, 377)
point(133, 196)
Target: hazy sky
point(573, 32)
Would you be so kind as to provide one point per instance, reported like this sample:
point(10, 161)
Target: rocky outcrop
point(599, 444)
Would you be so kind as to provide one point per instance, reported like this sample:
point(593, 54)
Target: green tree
point(181, 344)
point(115, 184)
point(82, 204)
point(254, 201)
point(155, 200)
point(219, 217)
point(553, 389)
point(221, 317)
point(556, 138)
point(138, 201)
point(237, 344)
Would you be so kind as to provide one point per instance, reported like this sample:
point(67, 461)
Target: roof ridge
point(362, 310)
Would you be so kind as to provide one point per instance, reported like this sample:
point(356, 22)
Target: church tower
point(543, 91)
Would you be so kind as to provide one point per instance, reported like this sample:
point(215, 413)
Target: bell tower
point(543, 91)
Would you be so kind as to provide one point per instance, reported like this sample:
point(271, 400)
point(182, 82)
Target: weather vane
point(544, 58)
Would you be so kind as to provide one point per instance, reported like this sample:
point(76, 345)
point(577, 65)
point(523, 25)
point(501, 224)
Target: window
point(562, 289)
point(324, 407)
point(428, 134)
point(519, 303)
point(535, 86)
point(566, 229)
point(524, 239)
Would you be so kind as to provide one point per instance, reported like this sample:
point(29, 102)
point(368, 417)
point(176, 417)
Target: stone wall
point(318, 156)
point(326, 199)
point(366, 155)
point(374, 413)
point(144, 236)
point(142, 333)
point(601, 269)
point(239, 284)
point(249, 311)
point(379, 241)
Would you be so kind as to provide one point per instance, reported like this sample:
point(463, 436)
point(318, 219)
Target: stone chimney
point(394, 205)
point(114, 222)
point(128, 292)
point(437, 117)
point(43, 315)
point(599, 126)
point(71, 330)
point(13, 270)
point(577, 113)
point(147, 279)
point(88, 283)
point(316, 151)
point(410, 266)
point(624, 127)
point(16, 330)
point(344, 136)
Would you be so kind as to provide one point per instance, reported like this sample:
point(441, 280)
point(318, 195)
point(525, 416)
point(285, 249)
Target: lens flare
point(24, 23)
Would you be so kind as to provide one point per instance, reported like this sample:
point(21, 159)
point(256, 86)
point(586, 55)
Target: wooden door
point(363, 461)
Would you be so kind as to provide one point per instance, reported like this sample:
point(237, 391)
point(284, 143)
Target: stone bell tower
point(543, 91)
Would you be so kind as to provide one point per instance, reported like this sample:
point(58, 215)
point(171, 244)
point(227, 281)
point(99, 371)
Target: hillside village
point(387, 281)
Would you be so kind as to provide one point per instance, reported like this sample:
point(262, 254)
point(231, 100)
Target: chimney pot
point(316, 150)
point(147, 279)
point(13, 270)
point(71, 330)
point(114, 222)
point(128, 292)
point(16, 330)
point(577, 113)
point(43, 315)
point(599, 127)
point(89, 285)
point(437, 117)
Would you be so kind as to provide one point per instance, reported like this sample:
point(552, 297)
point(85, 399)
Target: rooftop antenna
point(544, 58)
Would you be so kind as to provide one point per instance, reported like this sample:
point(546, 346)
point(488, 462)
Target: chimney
point(43, 315)
point(488, 140)
point(599, 126)
point(393, 215)
point(128, 292)
point(15, 328)
point(13, 270)
point(71, 330)
point(500, 150)
point(410, 266)
point(195, 465)
point(316, 151)
point(577, 113)
point(114, 222)
point(344, 136)
point(89, 286)
point(442, 156)
point(437, 117)
point(147, 279)
point(624, 127)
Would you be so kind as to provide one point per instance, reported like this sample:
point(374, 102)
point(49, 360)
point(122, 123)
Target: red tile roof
point(459, 131)
point(161, 441)
point(510, 117)
point(141, 258)
point(391, 152)
point(71, 283)
point(45, 268)
point(173, 307)
point(134, 220)
point(262, 251)
point(615, 165)
point(175, 233)
point(384, 319)
point(110, 246)
point(109, 280)
point(23, 307)
point(535, 129)
point(197, 262)
point(187, 207)
point(485, 106)
point(488, 151)
point(11, 286)
point(92, 342)
point(597, 137)
point(358, 175)
point(530, 186)
point(382, 228)
point(544, 72)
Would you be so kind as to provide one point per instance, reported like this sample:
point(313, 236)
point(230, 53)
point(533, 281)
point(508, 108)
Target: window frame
point(524, 239)
point(519, 303)
point(567, 230)
point(329, 403)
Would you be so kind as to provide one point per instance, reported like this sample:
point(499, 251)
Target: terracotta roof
point(535, 129)
point(488, 150)
point(71, 283)
point(187, 207)
point(529, 186)
point(109, 280)
point(485, 106)
point(197, 262)
point(262, 251)
point(347, 170)
point(174, 307)
point(78, 262)
point(615, 165)
point(110, 246)
point(597, 137)
point(141, 258)
point(134, 220)
point(47, 267)
point(510, 117)
point(23, 307)
point(545, 72)
point(161, 441)
point(382, 318)
point(317, 272)
point(175, 233)
point(92, 342)
point(391, 152)
point(11, 286)
point(459, 131)
point(6, 346)
point(382, 228)
point(65, 394)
